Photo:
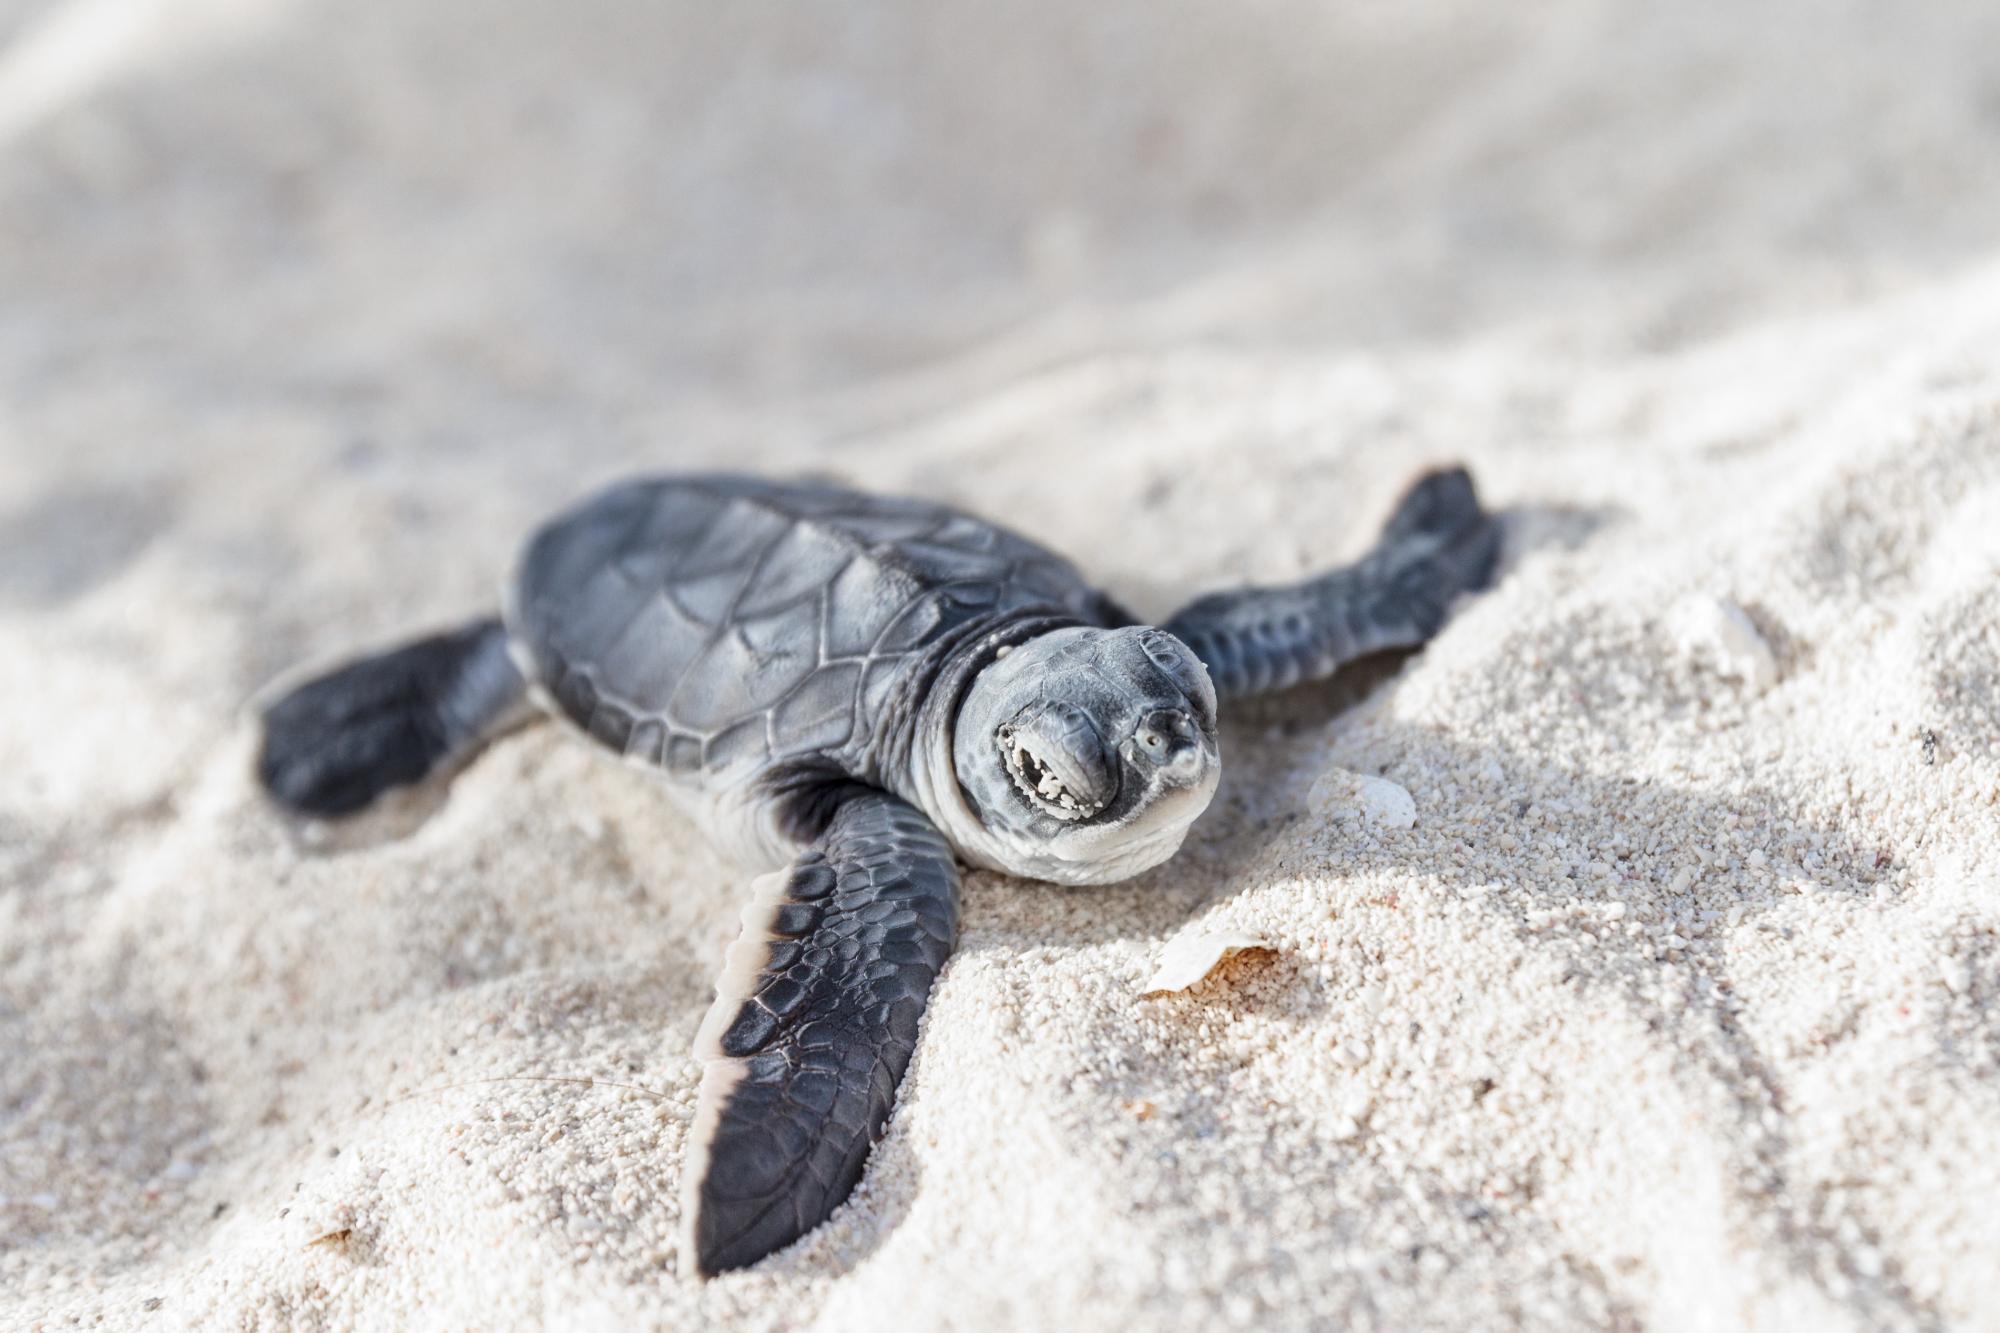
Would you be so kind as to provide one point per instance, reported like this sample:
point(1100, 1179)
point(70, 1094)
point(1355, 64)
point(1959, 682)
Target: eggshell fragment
point(1192, 955)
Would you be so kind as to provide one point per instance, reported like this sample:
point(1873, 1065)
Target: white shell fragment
point(1340, 794)
point(1192, 955)
point(1718, 633)
point(1386, 803)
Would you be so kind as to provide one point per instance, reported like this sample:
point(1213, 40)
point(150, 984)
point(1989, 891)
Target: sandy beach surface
point(1631, 957)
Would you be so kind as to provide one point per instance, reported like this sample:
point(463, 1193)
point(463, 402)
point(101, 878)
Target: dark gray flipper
point(814, 1021)
point(338, 741)
point(1438, 544)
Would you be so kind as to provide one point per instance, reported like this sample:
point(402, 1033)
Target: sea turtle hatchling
point(864, 692)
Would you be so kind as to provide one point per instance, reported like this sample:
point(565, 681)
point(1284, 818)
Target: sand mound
point(1631, 957)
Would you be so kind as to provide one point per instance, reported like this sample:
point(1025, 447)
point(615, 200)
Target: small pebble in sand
point(1342, 795)
point(1718, 633)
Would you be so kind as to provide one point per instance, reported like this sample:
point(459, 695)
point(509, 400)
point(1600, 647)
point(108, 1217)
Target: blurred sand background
point(1676, 1007)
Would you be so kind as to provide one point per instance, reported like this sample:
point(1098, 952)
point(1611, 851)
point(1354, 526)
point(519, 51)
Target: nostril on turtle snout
point(1167, 737)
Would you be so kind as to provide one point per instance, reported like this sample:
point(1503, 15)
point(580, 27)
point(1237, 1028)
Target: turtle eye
point(1179, 664)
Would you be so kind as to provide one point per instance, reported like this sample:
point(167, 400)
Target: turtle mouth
point(1050, 777)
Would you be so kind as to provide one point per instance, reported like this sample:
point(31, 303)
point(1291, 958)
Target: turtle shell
point(703, 623)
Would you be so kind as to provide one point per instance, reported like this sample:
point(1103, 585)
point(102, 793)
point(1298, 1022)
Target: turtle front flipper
point(341, 739)
point(1438, 543)
point(814, 1022)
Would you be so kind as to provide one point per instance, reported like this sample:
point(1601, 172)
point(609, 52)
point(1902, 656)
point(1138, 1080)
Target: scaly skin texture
point(719, 627)
point(871, 690)
point(814, 1022)
point(336, 742)
point(1438, 544)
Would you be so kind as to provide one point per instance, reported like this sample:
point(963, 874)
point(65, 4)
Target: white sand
point(1677, 1006)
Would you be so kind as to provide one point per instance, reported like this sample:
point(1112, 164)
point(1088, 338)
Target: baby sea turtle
point(864, 692)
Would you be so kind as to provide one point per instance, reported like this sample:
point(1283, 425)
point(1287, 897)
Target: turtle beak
point(1054, 755)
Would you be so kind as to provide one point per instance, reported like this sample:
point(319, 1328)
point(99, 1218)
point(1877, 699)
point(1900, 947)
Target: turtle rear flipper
point(1438, 543)
point(814, 1021)
point(341, 739)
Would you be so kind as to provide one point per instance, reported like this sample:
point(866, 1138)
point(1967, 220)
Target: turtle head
point(1086, 753)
